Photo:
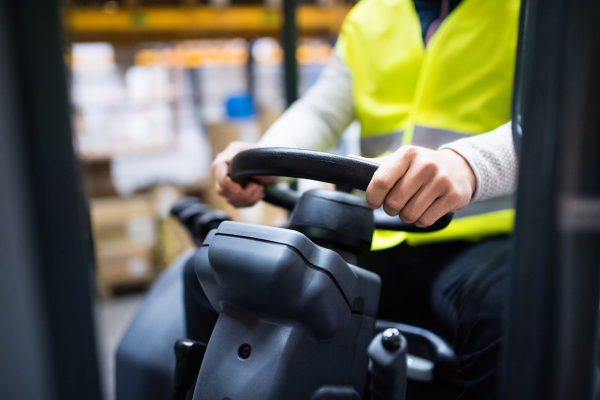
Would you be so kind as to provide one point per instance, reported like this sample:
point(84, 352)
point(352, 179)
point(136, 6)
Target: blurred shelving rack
point(150, 33)
point(173, 22)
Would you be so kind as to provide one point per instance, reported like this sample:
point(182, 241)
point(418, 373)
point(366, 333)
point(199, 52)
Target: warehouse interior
point(112, 111)
point(157, 89)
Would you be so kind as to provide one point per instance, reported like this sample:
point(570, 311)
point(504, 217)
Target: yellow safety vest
point(460, 85)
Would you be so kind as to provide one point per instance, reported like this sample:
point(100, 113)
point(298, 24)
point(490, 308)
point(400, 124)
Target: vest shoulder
point(365, 10)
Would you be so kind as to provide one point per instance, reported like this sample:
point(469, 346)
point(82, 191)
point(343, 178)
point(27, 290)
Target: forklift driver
point(424, 78)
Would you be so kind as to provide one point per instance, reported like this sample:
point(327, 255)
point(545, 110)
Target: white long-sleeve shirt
point(318, 120)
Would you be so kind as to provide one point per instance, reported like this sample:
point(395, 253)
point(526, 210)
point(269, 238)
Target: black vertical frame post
point(290, 38)
point(47, 340)
point(554, 280)
point(250, 68)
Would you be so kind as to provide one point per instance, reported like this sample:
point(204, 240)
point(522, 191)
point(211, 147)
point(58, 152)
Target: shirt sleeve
point(317, 120)
point(492, 158)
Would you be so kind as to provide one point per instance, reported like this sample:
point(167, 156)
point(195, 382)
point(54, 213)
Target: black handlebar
point(304, 164)
point(284, 198)
point(384, 221)
point(319, 166)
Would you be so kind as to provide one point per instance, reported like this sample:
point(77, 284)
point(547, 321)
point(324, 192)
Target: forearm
point(319, 118)
point(493, 160)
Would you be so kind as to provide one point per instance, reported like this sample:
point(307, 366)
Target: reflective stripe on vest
point(375, 146)
point(434, 138)
point(423, 136)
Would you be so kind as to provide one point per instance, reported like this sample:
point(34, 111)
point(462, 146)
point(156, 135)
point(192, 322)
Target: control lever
point(284, 198)
point(207, 222)
point(387, 355)
point(188, 359)
point(198, 218)
point(182, 204)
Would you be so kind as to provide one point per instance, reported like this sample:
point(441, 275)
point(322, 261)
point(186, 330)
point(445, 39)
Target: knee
point(480, 325)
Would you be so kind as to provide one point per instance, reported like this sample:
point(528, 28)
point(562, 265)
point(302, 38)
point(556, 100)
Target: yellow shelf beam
point(165, 23)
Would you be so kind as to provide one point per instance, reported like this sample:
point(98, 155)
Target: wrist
point(464, 166)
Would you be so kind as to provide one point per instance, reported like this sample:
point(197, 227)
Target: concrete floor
point(112, 319)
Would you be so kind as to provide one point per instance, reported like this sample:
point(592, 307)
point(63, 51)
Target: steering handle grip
point(384, 221)
point(318, 166)
point(304, 164)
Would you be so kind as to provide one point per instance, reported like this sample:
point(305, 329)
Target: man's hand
point(235, 194)
point(421, 185)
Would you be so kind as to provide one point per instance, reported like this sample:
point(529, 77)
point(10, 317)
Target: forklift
point(47, 340)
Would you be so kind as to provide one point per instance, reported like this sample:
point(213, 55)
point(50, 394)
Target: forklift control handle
point(318, 166)
point(304, 164)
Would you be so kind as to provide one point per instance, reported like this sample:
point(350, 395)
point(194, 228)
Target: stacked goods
point(124, 231)
point(115, 113)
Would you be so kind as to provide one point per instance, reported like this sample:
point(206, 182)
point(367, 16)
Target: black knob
point(391, 339)
point(244, 351)
point(187, 215)
point(207, 222)
point(182, 204)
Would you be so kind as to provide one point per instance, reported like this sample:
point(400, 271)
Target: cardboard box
point(125, 241)
point(132, 219)
point(123, 264)
point(97, 181)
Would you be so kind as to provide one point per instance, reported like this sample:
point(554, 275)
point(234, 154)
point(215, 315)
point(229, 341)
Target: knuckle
point(443, 178)
point(394, 204)
point(389, 211)
point(445, 185)
point(429, 168)
point(453, 198)
point(373, 204)
point(450, 203)
point(381, 181)
point(409, 215)
point(427, 220)
point(410, 151)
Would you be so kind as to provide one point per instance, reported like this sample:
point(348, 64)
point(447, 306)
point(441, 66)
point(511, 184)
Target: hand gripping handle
point(305, 164)
point(318, 166)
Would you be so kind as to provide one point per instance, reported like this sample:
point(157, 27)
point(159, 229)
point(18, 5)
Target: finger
point(407, 186)
point(237, 189)
point(221, 172)
point(419, 203)
point(220, 190)
point(265, 179)
point(253, 191)
point(247, 196)
point(228, 188)
point(247, 199)
point(391, 170)
point(439, 208)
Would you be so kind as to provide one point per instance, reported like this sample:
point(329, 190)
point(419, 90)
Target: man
point(418, 75)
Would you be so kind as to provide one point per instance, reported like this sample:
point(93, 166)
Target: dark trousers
point(456, 288)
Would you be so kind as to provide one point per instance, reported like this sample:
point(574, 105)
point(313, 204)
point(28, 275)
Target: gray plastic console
point(295, 322)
